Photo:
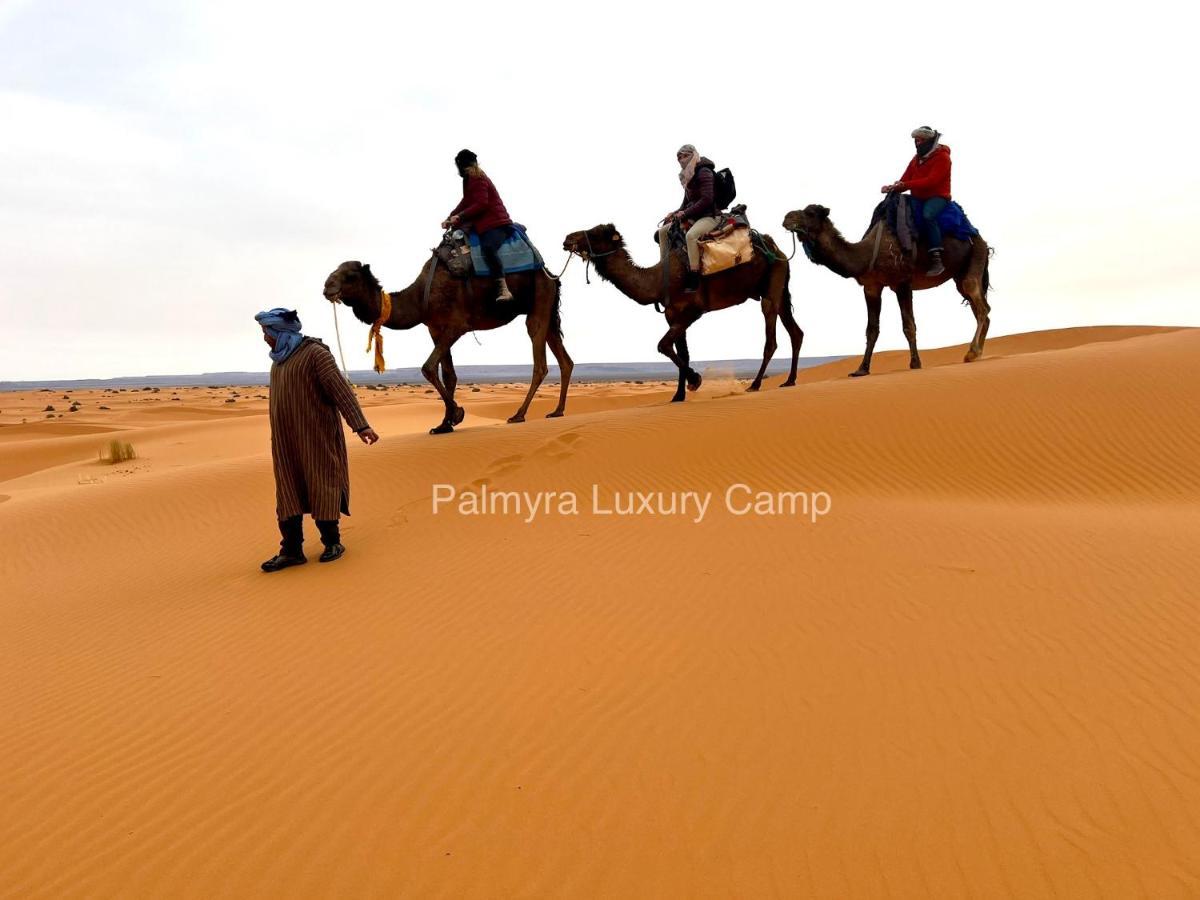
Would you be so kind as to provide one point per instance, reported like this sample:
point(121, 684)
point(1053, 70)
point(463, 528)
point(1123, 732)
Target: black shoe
point(281, 561)
point(935, 264)
point(332, 552)
point(691, 282)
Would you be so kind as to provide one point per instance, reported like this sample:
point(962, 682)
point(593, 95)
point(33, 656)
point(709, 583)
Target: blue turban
point(284, 326)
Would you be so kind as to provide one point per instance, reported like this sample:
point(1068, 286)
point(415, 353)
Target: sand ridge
point(975, 677)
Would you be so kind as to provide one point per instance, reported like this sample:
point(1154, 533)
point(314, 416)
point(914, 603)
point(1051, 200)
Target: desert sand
point(976, 676)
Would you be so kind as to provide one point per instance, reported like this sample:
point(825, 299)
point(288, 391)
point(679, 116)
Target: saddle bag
point(725, 250)
point(455, 252)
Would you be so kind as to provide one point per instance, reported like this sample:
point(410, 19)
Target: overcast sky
point(167, 169)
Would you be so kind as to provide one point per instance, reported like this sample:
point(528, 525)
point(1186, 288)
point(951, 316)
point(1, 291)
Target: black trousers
point(490, 242)
point(292, 530)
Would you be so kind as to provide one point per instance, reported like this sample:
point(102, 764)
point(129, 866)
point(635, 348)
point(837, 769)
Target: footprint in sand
point(502, 465)
point(560, 448)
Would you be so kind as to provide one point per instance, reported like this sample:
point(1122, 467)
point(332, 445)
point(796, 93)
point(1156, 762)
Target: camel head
point(807, 223)
point(602, 240)
point(353, 284)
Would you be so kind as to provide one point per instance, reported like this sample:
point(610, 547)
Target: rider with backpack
point(697, 214)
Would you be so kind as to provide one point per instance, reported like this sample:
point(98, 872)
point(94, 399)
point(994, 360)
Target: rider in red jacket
point(928, 178)
point(482, 210)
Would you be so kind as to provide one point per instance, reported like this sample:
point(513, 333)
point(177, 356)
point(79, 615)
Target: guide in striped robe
point(309, 397)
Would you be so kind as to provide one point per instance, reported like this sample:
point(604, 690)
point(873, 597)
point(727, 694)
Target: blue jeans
point(930, 210)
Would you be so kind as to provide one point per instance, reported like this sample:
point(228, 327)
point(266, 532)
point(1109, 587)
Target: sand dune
point(976, 676)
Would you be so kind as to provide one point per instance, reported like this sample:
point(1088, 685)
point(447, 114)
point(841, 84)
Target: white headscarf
point(688, 169)
point(926, 133)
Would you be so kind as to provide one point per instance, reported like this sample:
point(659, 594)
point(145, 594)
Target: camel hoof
point(791, 382)
point(444, 428)
point(678, 398)
point(971, 356)
point(459, 415)
point(694, 380)
point(557, 414)
point(753, 389)
point(914, 364)
point(859, 373)
point(513, 420)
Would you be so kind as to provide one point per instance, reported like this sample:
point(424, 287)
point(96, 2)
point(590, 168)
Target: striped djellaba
point(309, 396)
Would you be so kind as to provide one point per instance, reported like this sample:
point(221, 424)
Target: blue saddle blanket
point(952, 219)
point(517, 254)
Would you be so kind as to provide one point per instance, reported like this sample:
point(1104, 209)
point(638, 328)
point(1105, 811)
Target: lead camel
point(450, 308)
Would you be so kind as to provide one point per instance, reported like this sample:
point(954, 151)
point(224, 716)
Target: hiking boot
point(283, 561)
point(505, 293)
point(935, 264)
point(332, 552)
point(691, 282)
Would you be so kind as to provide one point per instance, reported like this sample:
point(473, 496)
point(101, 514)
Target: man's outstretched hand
point(368, 436)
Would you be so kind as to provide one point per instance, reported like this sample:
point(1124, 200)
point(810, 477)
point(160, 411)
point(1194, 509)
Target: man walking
point(308, 448)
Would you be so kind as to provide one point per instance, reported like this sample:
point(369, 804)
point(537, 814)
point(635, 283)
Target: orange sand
point(977, 676)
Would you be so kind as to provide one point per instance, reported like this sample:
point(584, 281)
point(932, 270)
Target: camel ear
point(617, 237)
point(823, 212)
point(367, 270)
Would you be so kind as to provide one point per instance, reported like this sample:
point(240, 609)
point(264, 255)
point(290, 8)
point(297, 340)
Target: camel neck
point(846, 259)
point(641, 285)
point(407, 307)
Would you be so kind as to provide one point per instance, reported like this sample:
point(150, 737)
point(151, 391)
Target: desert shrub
point(118, 451)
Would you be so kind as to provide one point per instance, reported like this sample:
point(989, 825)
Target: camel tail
point(987, 278)
point(556, 316)
point(787, 279)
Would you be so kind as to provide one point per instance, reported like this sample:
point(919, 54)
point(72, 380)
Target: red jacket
point(929, 177)
point(481, 206)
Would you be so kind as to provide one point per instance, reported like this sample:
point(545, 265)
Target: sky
point(167, 169)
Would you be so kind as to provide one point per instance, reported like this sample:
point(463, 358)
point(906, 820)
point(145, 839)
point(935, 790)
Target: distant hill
point(654, 371)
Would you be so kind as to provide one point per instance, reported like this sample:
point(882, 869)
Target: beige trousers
point(697, 231)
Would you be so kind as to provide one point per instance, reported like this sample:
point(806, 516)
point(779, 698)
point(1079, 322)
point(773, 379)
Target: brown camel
point(757, 279)
point(455, 306)
point(966, 263)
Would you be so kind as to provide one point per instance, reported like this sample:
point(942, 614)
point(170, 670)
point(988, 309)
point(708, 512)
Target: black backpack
point(724, 189)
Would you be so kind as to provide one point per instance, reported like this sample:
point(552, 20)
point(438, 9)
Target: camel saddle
point(902, 215)
point(730, 243)
point(460, 252)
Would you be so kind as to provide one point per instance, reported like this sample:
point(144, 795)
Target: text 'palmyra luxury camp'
point(739, 500)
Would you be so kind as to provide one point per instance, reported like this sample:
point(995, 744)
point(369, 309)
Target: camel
point(450, 307)
point(882, 265)
point(758, 279)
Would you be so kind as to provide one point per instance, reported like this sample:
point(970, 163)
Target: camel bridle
point(591, 254)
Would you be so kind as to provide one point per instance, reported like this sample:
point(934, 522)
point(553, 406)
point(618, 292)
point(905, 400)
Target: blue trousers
point(930, 210)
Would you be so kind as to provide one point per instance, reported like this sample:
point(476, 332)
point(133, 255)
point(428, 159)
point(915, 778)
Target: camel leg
point(565, 367)
point(973, 293)
point(904, 298)
point(674, 347)
point(454, 413)
point(450, 380)
point(770, 317)
point(797, 338)
point(874, 296)
point(537, 328)
point(692, 376)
